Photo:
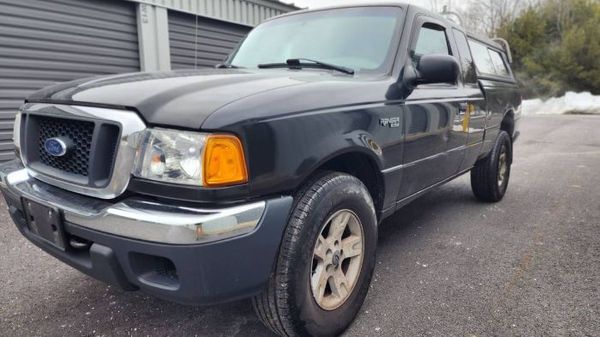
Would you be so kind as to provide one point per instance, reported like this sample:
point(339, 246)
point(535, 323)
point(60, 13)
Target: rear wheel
point(325, 262)
point(490, 176)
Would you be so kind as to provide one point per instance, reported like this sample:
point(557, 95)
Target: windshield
point(358, 38)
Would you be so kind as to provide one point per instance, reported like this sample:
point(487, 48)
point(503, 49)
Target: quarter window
point(499, 64)
point(482, 58)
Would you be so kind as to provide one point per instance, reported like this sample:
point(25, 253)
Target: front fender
point(283, 152)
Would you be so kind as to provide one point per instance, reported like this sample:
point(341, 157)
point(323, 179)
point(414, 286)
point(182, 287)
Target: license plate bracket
point(45, 222)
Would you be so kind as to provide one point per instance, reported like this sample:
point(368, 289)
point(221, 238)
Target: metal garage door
point(44, 42)
point(215, 40)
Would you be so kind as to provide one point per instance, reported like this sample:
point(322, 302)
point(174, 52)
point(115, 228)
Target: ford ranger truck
point(266, 177)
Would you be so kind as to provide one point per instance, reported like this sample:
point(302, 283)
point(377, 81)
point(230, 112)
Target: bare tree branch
point(486, 16)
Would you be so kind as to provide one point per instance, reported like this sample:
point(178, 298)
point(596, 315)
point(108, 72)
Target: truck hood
point(183, 98)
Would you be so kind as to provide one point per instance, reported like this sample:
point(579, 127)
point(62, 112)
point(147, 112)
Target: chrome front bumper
point(135, 217)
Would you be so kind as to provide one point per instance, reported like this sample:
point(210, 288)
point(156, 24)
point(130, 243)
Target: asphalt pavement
point(448, 265)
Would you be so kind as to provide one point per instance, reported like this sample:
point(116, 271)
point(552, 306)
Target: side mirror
point(437, 69)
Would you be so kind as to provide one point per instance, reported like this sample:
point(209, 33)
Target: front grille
point(100, 147)
point(80, 132)
point(91, 152)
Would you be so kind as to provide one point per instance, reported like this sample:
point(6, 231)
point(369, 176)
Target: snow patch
point(570, 103)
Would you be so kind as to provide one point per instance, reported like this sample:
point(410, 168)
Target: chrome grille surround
point(131, 126)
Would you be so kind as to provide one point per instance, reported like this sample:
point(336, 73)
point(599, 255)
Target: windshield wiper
point(298, 64)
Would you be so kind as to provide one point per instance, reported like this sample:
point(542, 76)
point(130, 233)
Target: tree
point(556, 46)
point(579, 55)
point(487, 16)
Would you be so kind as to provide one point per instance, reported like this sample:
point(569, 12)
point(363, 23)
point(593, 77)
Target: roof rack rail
point(505, 46)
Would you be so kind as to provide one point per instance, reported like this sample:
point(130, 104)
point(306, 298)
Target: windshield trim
point(386, 67)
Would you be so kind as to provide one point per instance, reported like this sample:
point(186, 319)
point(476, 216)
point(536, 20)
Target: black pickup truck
point(266, 177)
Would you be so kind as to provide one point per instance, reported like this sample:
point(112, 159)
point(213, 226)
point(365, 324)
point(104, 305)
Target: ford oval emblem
point(56, 147)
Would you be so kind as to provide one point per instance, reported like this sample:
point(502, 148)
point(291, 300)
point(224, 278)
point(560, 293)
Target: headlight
point(191, 158)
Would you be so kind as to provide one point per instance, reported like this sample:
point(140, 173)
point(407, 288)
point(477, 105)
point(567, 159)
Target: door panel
point(428, 128)
point(472, 119)
point(473, 126)
point(434, 144)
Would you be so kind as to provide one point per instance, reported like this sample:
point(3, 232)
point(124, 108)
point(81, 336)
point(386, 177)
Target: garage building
point(44, 42)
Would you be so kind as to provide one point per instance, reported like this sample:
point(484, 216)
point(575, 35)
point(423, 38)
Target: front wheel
point(489, 177)
point(326, 260)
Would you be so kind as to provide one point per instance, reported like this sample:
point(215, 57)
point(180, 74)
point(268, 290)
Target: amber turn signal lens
point(224, 162)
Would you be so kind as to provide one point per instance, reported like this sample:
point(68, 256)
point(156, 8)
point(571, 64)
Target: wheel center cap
point(335, 260)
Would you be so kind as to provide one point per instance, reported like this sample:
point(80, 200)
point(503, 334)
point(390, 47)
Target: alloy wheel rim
point(502, 167)
point(337, 259)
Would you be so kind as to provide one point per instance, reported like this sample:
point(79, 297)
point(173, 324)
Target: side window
point(431, 40)
point(483, 60)
point(466, 60)
point(499, 63)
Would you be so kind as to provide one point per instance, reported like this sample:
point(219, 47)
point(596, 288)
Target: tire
point(490, 176)
point(288, 305)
